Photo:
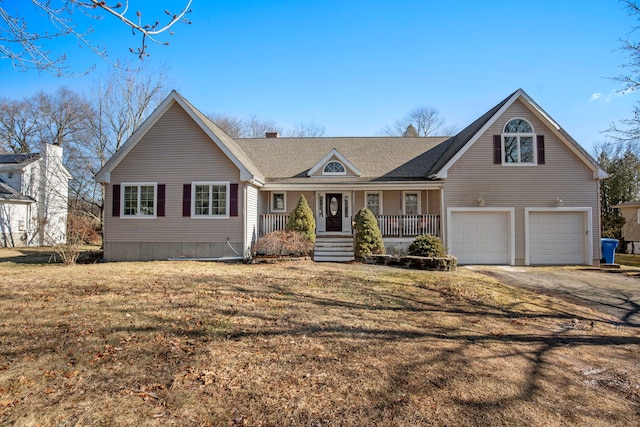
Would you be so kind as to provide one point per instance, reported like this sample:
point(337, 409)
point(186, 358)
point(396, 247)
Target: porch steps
point(333, 249)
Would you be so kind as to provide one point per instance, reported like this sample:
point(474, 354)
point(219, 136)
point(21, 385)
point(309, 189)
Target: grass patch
point(189, 343)
point(627, 259)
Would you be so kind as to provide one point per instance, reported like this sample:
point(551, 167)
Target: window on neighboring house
point(411, 203)
point(334, 168)
point(518, 143)
point(278, 202)
point(139, 200)
point(210, 199)
point(374, 203)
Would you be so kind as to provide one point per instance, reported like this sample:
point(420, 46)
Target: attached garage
point(481, 236)
point(559, 236)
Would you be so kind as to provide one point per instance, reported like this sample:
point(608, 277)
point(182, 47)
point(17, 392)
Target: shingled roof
point(378, 158)
point(7, 192)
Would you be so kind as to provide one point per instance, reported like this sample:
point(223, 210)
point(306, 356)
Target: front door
point(334, 211)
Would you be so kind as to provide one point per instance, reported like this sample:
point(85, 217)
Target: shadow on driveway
point(615, 292)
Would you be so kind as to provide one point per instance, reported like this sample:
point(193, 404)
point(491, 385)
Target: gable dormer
point(334, 164)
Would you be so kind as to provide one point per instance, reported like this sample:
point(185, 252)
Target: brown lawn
point(300, 343)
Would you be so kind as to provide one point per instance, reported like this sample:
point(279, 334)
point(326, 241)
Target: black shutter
point(497, 149)
point(233, 199)
point(115, 205)
point(540, 141)
point(161, 199)
point(186, 200)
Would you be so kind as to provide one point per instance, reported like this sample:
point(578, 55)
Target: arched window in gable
point(334, 168)
point(518, 142)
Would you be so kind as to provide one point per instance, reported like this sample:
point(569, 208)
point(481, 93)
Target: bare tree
point(18, 129)
point(120, 103)
point(27, 48)
point(627, 131)
point(257, 128)
point(252, 127)
point(305, 130)
point(426, 121)
point(232, 126)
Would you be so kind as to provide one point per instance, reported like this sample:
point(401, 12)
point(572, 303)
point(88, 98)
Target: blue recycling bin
point(609, 250)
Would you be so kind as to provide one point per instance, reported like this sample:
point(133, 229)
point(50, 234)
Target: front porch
point(396, 226)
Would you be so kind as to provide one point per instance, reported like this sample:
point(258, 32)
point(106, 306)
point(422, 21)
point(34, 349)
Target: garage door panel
point(480, 237)
point(557, 237)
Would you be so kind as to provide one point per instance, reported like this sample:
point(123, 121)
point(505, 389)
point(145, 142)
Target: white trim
point(598, 172)
point(404, 197)
point(511, 227)
point(210, 184)
point(353, 186)
point(103, 176)
point(325, 173)
point(123, 185)
point(588, 241)
point(638, 215)
point(519, 136)
point(271, 196)
point(334, 154)
point(379, 193)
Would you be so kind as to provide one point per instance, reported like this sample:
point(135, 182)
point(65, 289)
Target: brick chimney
point(272, 135)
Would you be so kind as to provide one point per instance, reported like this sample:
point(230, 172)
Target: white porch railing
point(390, 225)
point(273, 222)
point(409, 225)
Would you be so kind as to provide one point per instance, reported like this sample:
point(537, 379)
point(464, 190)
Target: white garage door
point(480, 237)
point(557, 238)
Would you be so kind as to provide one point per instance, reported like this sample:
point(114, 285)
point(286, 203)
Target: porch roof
point(379, 159)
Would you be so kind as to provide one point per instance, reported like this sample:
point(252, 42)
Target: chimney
point(272, 135)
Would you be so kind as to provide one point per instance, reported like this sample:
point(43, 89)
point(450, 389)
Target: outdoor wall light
point(559, 201)
point(480, 201)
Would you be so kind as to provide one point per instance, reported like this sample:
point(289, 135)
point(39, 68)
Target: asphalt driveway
point(616, 292)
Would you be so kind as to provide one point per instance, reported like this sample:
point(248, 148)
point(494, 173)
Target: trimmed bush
point(302, 220)
point(427, 246)
point(368, 235)
point(283, 243)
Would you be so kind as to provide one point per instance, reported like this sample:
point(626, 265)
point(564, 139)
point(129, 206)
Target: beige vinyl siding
point(175, 151)
point(294, 196)
point(631, 228)
point(252, 215)
point(434, 203)
point(563, 176)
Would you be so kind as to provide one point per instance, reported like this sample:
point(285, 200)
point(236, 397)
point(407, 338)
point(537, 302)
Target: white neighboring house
point(33, 198)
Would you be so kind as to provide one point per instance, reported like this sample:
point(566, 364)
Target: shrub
point(427, 246)
point(302, 221)
point(282, 242)
point(368, 236)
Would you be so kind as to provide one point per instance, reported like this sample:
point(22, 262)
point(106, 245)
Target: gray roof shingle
point(377, 158)
point(7, 192)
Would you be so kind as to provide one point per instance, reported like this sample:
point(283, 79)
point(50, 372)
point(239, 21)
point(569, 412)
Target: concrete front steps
point(333, 249)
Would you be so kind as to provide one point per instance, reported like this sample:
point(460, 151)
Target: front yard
point(302, 343)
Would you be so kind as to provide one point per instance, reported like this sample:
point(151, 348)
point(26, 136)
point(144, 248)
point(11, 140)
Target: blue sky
point(355, 66)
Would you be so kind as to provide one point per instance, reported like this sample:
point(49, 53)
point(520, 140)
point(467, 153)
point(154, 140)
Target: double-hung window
point(411, 203)
point(210, 199)
point(374, 203)
point(139, 200)
point(278, 202)
point(518, 143)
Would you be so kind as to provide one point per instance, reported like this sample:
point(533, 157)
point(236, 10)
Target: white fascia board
point(443, 173)
point(103, 176)
point(334, 153)
point(412, 185)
